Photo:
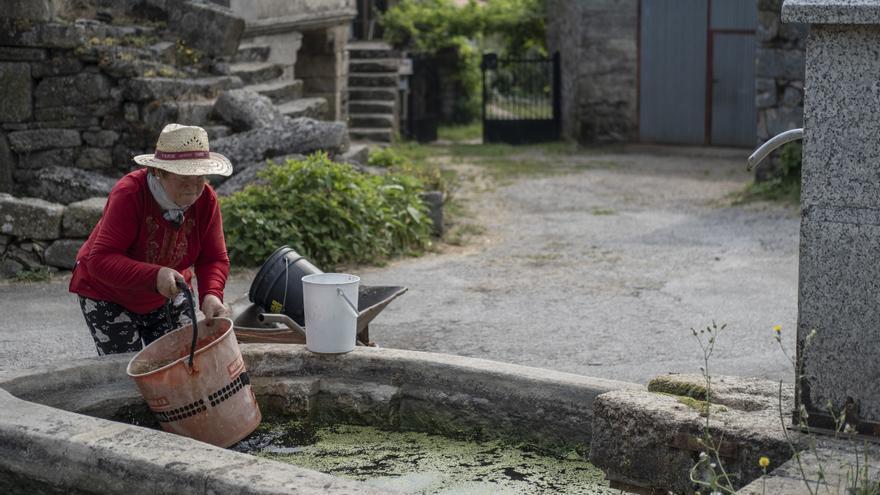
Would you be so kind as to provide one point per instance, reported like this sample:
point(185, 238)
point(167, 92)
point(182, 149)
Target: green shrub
point(326, 211)
point(431, 176)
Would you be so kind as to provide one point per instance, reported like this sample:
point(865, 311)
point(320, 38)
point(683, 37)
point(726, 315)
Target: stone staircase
point(272, 80)
point(373, 89)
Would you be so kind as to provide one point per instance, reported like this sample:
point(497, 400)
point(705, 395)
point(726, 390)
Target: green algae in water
point(420, 463)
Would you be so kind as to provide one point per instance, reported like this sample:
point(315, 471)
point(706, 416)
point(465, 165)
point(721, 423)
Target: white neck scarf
point(170, 210)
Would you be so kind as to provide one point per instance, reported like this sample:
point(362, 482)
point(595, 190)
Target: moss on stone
point(670, 385)
point(415, 462)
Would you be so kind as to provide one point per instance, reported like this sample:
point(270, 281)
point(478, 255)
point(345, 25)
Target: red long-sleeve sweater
point(124, 252)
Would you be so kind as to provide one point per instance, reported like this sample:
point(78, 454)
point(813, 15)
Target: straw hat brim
point(217, 164)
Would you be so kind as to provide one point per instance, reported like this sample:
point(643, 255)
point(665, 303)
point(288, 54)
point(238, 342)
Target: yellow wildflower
point(777, 328)
point(764, 461)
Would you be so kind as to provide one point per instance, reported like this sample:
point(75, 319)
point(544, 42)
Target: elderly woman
point(160, 223)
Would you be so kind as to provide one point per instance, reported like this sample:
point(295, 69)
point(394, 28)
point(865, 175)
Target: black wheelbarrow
point(254, 326)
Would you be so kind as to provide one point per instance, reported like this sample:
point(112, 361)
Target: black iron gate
point(521, 99)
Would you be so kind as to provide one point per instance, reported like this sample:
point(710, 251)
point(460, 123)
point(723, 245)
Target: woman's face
point(184, 190)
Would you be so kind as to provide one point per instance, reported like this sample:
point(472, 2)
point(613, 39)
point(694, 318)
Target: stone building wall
point(597, 41)
point(779, 72)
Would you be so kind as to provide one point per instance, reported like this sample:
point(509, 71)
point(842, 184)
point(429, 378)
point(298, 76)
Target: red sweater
point(120, 260)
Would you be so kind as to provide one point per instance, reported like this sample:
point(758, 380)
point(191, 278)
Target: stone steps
point(371, 49)
point(372, 79)
point(162, 88)
point(371, 106)
point(375, 65)
point(365, 93)
point(279, 90)
point(252, 53)
point(256, 72)
point(370, 135)
point(315, 108)
point(372, 120)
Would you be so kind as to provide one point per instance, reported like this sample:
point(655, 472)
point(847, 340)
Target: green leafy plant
point(784, 187)
point(328, 212)
point(431, 175)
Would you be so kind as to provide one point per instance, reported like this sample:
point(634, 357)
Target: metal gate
point(521, 99)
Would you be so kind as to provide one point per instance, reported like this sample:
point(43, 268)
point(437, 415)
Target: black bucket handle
point(187, 294)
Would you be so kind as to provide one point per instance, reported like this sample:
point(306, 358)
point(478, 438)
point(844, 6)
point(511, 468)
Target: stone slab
point(80, 217)
point(15, 79)
point(652, 438)
point(30, 218)
point(62, 253)
point(35, 10)
point(68, 184)
point(21, 54)
point(208, 27)
point(831, 11)
point(14, 32)
point(42, 139)
point(60, 91)
point(155, 88)
point(834, 463)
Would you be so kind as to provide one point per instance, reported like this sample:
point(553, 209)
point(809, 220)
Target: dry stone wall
point(83, 96)
point(779, 71)
point(88, 84)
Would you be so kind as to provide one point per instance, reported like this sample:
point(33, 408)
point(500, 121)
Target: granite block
point(831, 11)
point(842, 117)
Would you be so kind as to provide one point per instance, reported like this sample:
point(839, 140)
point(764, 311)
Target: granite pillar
point(839, 286)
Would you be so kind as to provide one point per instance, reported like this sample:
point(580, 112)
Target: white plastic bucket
point(330, 304)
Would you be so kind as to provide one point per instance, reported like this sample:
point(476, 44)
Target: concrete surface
point(45, 447)
point(601, 272)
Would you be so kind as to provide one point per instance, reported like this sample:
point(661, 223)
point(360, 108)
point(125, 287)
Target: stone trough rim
point(34, 429)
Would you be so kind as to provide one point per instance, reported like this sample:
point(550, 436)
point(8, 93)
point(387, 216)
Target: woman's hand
point(213, 307)
point(166, 282)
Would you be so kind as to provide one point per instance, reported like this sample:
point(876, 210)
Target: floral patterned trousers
point(117, 330)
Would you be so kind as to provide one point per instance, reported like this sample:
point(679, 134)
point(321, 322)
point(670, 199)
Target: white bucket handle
point(351, 307)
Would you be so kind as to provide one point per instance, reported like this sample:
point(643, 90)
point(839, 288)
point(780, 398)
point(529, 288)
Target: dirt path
point(604, 270)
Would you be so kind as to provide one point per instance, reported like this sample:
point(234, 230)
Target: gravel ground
point(601, 271)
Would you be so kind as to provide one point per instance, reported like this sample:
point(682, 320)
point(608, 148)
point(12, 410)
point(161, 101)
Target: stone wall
point(40, 235)
point(779, 72)
point(597, 41)
point(83, 95)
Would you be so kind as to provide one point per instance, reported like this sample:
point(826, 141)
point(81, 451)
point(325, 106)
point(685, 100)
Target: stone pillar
point(323, 67)
point(597, 42)
point(839, 286)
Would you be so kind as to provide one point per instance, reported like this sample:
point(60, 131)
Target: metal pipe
point(772, 144)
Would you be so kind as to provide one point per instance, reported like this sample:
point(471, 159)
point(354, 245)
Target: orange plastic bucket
point(210, 400)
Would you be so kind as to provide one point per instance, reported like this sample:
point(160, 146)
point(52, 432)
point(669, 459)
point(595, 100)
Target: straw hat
point(183, 150)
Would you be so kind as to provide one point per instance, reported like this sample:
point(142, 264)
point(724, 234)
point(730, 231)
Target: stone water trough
point(57, 436)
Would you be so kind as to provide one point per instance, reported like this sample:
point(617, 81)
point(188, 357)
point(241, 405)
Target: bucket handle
point(187, 294)
point(348, 302)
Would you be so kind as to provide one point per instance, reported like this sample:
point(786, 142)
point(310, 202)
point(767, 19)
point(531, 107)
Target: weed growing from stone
point(709, 471)
point(33, 275)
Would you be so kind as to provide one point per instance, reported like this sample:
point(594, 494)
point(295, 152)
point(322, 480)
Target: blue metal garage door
point(697, 72)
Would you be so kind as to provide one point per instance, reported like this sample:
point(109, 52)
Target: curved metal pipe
point(772, 144)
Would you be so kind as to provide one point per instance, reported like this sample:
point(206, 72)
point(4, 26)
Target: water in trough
point(413, 462)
